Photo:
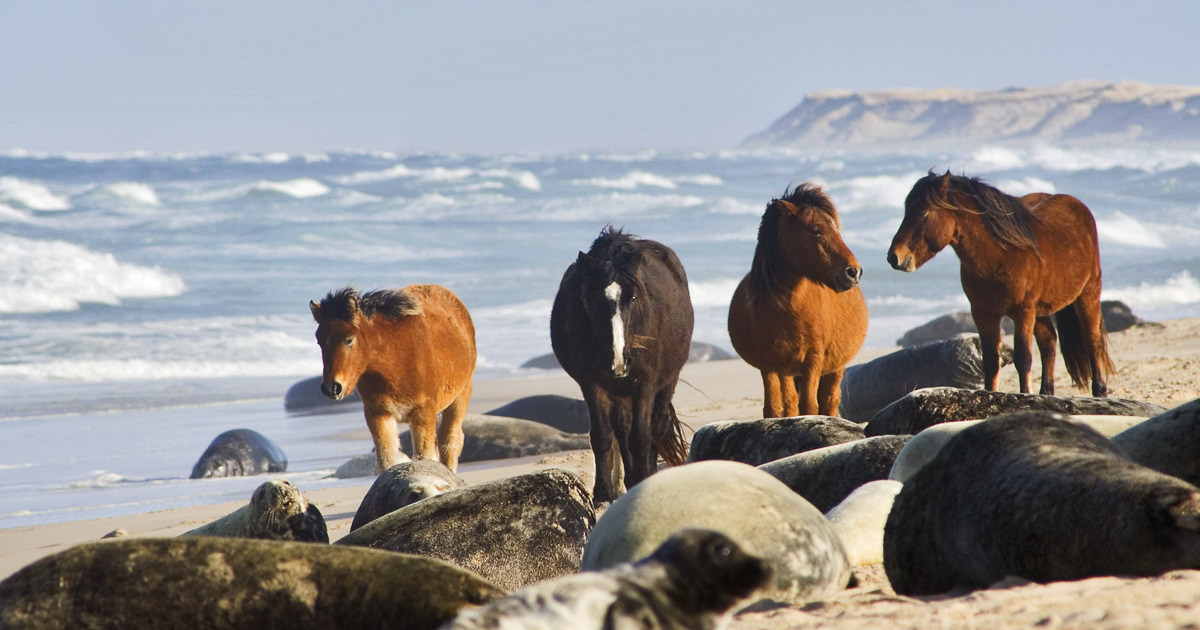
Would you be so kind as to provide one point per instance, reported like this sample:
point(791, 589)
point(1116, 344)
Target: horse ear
point(585, 261)
point(787, 207)
point(316, 310)
point(945, 183)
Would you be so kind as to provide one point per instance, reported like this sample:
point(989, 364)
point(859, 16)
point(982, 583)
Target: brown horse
point(1035, 259)
point(799, 316)
point(411, 353)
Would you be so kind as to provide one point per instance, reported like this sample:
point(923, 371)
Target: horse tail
point(668, 437)
point(1074, 353)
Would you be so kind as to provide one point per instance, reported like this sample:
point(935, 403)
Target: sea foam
point(31, 195)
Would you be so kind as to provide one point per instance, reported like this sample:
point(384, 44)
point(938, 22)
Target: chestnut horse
point(411, 353)
point(799, 316)
point(621, 326)
point(1035, 259)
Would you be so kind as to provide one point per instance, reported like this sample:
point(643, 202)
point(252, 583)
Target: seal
point(361, 466)
point(277, 511)
point(404, 484)
point(512, 531)
point(757, 442)
point(826, 476)
point(561, 412)
point(871, 386)
point(239, 452)
point(1167, 442)
point(692, 581)
point(1036, 496)
point(756, 510)
point(924, 408)
point(206, 582)
point(924, 445)
point(305, 398)
point(494, 437)
point(860, 518)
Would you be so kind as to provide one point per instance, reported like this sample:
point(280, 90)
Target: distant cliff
point(1071, 113)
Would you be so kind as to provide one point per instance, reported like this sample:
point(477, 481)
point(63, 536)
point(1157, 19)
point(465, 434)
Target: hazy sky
point(247, 75)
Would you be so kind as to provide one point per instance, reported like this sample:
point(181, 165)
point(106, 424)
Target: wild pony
point(621, 326)
point(411, 354)
point(1035, 259)
point(799, 315)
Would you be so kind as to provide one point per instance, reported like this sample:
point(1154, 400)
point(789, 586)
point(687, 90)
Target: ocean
point(149, 302)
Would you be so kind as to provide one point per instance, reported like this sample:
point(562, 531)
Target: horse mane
point(618, 254)
point(1005, 217)
point(765, 280)
point(393, 304)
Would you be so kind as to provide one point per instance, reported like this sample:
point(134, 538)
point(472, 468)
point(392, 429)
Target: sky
point(528, 75)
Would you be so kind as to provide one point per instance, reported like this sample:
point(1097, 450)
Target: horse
point(799, 316)
point(411, 354)
point(1035, 259)
point(621, 327)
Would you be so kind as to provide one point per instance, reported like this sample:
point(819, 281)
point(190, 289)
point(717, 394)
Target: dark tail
point(1075, 356)
point(668, 435)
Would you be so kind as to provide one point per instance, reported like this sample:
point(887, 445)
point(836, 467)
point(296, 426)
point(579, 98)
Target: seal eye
point(721, 553)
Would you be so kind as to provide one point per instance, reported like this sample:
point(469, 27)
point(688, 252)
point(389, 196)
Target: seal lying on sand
point(691, 581)
point(512, 531)
point(239, 452)
point(495, 437)
point(827, 475)
point(1036, 496)
point(934, 405)
point(871, 386)
point(277, 511)
point(757, 442)
point(152, 583)
point(1168, 442)
point(756, 510)
point(860, 518)
point(561, 412)
point(404, 484)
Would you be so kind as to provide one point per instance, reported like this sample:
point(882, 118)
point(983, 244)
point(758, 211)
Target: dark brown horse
point(1035, 259)
point(799, 316)
point(621, 326)
point(411, 353)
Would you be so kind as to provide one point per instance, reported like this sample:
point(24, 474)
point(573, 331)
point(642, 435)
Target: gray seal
point(859, 520)
point(756, 510)
point(239, 452)
point(691, 582)
point(1036, 496)
point(561, 412)
point(1168, 442)
point(826, 476)
point(934, 405)
point(871, 386)
point(494, 437)
point(205, 582)
point(757, 442)
point(404, 484)
point(277, 511)
point(512, 531)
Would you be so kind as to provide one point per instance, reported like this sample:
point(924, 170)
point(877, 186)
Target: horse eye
point(818, 232)
point(349, 341)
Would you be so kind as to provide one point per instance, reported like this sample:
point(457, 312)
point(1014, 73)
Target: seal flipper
point(309, 526)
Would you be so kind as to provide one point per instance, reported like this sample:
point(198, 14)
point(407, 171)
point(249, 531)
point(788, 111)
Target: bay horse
point(411, 354)
point(1035, 259)
point(621, 326)
point(799, 315)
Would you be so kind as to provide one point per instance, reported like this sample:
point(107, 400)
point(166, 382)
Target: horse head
point(929, 223)
point(608, 297)
point(339, 321)
point(810, 241)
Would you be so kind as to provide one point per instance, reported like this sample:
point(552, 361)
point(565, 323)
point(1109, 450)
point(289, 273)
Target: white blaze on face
point(613, 293)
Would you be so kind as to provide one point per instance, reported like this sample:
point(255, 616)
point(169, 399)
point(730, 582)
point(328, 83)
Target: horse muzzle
point(908, 264)
point(848, 279)
point(333, 391)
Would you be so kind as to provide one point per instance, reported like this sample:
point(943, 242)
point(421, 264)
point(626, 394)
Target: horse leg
point(642, 457)
point(1046, 337)
point(989, 346)
point(808, 388)
point(1093, 336)
point(449, 432)
point(603, 440)
point(422, 423)
point(1023, 323)
point(386, 436)
point(779, 395)
point(829, 393)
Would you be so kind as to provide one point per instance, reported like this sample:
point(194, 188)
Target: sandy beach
point(1155, 364)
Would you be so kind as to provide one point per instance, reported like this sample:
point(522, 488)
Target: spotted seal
point(404, 484)
point(753, 508)
point(692, 581)
point(277, 511)
point(1036, 496)
point(926, 407)
point(512, 531)
point(207, 582)
point(239, 452)
point(759, 441)
point(827, 475)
